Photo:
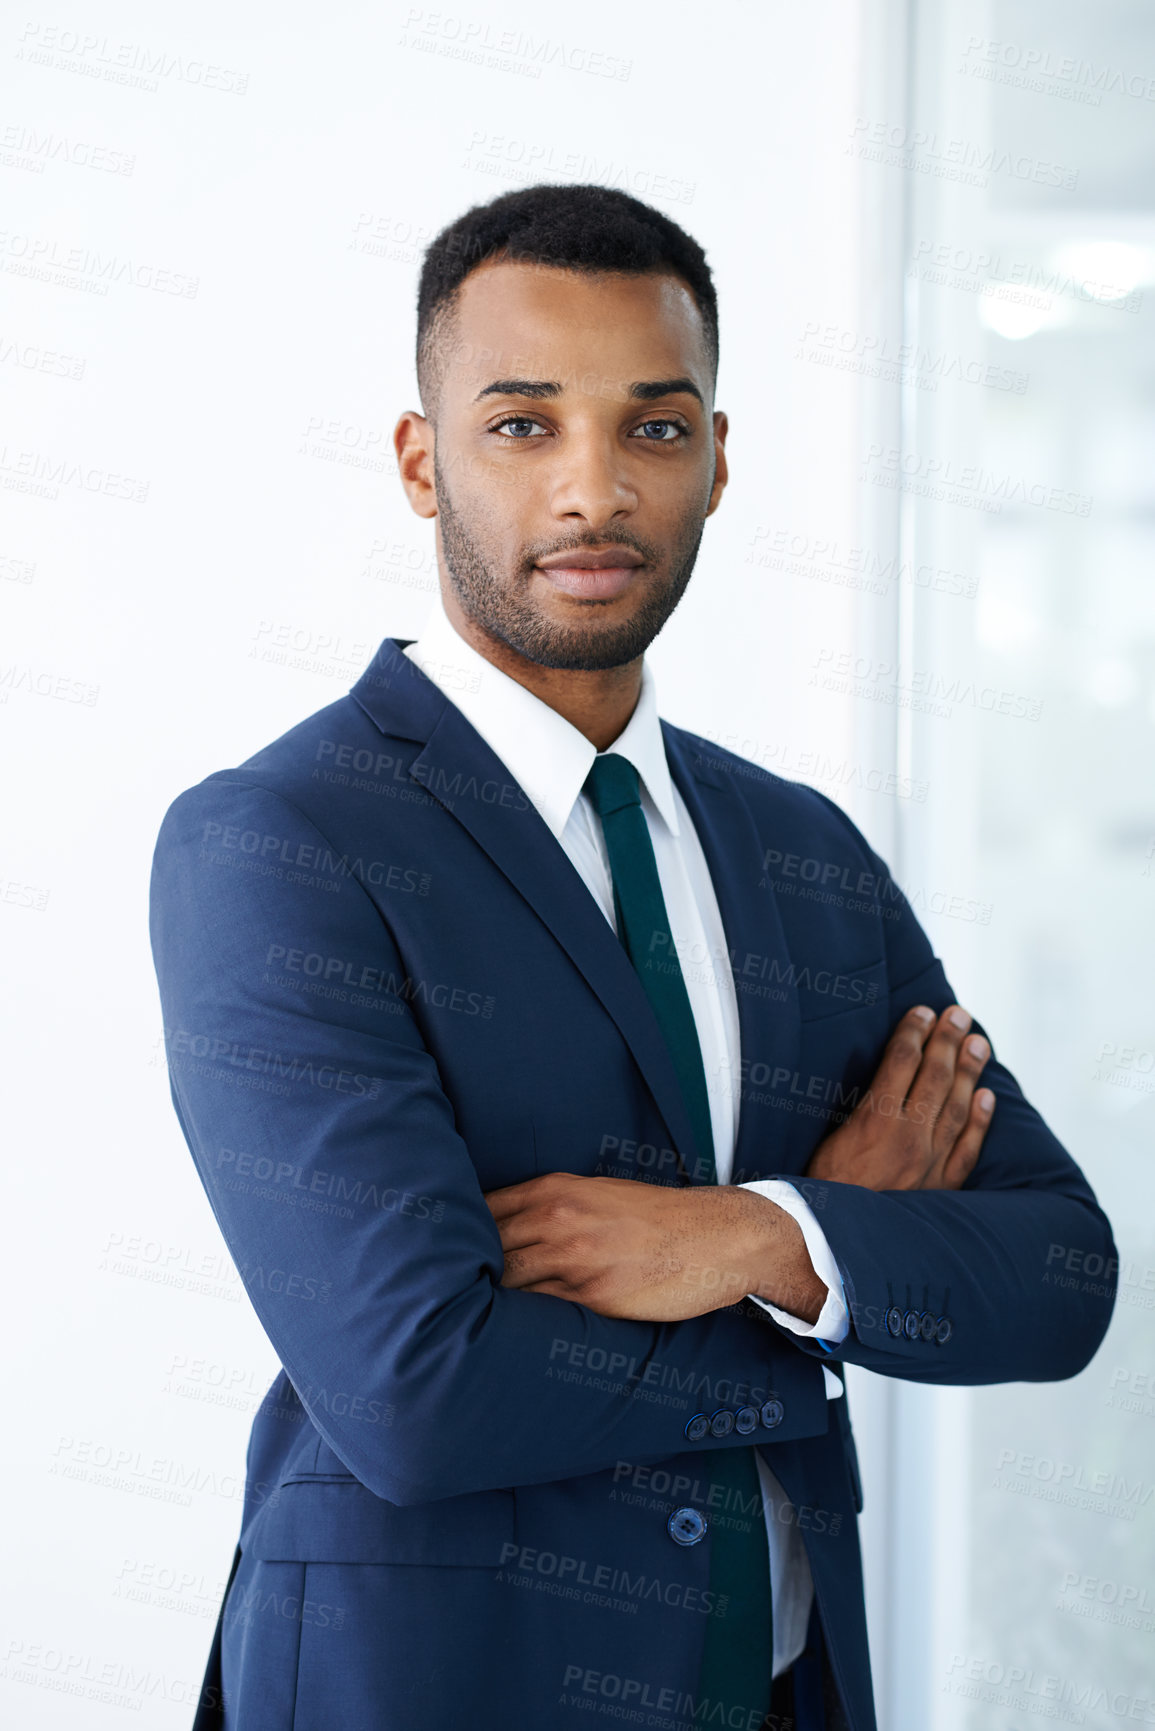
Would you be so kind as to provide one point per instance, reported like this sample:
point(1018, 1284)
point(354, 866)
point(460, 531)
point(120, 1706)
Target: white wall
point(215, 336)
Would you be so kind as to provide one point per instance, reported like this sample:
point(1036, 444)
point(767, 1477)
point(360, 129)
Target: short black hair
point(582, 228)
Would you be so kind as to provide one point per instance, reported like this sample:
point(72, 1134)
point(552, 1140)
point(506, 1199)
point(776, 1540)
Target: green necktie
point(739, 1647)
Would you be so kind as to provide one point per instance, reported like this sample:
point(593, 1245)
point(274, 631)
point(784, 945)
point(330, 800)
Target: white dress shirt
point(550, 759)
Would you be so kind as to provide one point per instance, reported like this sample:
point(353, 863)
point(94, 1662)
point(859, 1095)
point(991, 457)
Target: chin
point(583, 652)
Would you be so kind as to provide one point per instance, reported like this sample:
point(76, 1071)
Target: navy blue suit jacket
point(386, 990)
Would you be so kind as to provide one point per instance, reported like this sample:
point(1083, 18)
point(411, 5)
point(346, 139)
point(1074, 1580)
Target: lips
point(591, 575)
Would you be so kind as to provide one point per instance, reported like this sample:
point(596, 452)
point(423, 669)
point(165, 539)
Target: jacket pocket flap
point(340, 1521)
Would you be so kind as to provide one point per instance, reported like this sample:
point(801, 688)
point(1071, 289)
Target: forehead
point(546, 322)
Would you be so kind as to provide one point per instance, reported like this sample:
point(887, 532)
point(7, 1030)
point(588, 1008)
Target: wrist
point(778, 1266)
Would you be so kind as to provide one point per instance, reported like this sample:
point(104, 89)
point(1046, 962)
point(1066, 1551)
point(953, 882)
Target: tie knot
point(612, 783)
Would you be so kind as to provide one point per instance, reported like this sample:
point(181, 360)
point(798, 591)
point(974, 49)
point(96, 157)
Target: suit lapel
point(768, 1011)
point(455, 768)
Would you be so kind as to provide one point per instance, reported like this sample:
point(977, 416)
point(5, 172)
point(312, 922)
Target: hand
point(920, 1125)
point(656, 1253)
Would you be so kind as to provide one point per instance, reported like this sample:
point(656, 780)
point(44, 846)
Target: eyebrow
point(643, 390)
point(649, 389)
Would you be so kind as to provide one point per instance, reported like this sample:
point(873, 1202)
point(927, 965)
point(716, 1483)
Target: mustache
point(575, 544)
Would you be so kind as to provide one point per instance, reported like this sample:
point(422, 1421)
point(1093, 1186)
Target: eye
point(662, 432)
point(516, 426)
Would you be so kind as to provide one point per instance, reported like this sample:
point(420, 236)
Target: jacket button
point(722, 1422)
point(911, 1324)
point(698, 1427)
point(745, 1420)
point(772, 1412)
point(927, 1325)
point(686, 1526)
point(894, 1321)
point(944, 1328)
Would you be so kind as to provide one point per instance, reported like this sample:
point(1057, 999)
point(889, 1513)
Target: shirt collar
point(546, 755)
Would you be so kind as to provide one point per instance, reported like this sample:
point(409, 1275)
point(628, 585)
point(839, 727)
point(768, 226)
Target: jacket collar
point(456, 765)
point(547, 756)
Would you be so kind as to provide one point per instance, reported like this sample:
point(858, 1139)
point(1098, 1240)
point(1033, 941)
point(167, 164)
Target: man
point(565, 1153)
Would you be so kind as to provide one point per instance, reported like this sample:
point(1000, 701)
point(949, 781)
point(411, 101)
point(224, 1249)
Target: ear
point(721, 471)
point(413, 441)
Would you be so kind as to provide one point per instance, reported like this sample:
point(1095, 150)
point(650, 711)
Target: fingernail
point(977, 1047)
point(958, 1018)
point(923, 1014)
point(985, 1099)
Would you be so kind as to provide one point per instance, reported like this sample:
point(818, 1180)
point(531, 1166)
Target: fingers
point(963, 1158)
point(899, 1064)
point(970, 1061)
point(932, 1087)
point(514, 1199)
point(516, 1231)
point(555, 1289)
point(540, 1224)
point(532, 1266)
point(511, 1199)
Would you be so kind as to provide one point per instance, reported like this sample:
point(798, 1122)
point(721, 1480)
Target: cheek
point(681, 491)
point(496, 501)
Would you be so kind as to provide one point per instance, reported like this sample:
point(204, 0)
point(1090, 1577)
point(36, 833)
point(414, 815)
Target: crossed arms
point(418, 1321)
point(661, 1255)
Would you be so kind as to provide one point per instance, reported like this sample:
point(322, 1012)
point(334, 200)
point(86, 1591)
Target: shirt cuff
point(833, 1321)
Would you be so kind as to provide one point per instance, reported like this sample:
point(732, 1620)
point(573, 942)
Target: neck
point(598, 702)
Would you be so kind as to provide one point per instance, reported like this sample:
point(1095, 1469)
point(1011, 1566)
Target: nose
point(591, 480)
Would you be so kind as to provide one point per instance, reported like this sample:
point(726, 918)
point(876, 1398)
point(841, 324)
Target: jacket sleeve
point(352, 1209)
point(1017, 1270)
